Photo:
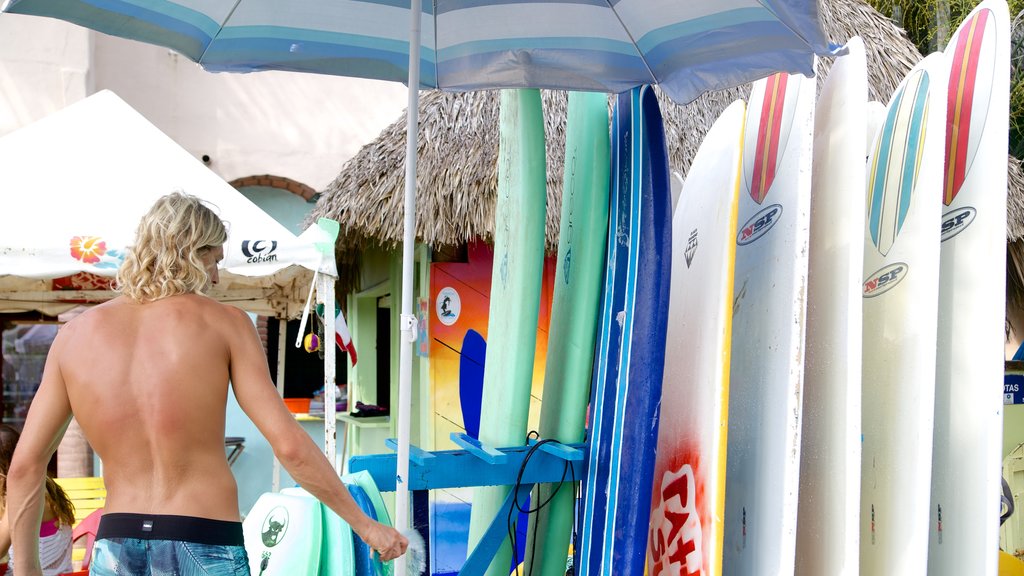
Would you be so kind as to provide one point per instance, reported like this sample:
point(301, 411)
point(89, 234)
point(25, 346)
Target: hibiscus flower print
point(88, 249)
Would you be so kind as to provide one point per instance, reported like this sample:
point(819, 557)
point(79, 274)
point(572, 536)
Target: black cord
point(518, 508)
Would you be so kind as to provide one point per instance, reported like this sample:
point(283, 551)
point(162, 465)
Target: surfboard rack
point(478, 464)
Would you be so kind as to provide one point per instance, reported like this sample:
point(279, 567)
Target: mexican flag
point(342, 336)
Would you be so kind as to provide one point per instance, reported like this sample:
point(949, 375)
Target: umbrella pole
point(408, 321)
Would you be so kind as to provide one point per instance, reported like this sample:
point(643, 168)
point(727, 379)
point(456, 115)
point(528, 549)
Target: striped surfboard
point(629, 414)
point(900, 310)
point(763, 461)
point(966, 462)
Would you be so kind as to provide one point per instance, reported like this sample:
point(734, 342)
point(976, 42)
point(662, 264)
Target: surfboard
point(573, 326)
point(688, 501)
point(515, 295)
point(366, 494)
point(900, 290)
point(829, 505)
point(472, 357)
point(630, 420)
point(337, 550)
point(769, 309)
point(365, 563)
point(591, 521)
point(967, 457)
point(874, 117)
point(282, 535)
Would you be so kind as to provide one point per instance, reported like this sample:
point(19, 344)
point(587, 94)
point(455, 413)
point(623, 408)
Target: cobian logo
point(274, 526)
point(885, 279)
point(759, 225)
point(259, 251)
point(956, 221)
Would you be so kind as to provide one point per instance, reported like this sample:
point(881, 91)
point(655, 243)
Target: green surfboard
point(579, 277)
point(515, 296)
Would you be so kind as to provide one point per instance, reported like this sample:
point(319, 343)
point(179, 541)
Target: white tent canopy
point(73, 187)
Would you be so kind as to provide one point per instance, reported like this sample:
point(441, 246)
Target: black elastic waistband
point(162, 527)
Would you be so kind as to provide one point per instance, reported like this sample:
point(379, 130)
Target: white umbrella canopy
point(685, 46)
point(73, 187)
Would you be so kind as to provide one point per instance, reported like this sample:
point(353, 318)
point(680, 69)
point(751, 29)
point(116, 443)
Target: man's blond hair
point(169, 241)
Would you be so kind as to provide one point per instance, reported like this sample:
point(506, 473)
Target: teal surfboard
point(337, 554)
point(579, 273)
point(514, 297)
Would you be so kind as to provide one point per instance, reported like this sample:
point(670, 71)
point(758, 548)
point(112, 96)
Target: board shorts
point(159, 545)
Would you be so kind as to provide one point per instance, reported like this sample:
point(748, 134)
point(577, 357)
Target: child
point(58, 515)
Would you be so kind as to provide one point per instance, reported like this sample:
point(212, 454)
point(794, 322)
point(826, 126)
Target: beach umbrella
point(686, 46)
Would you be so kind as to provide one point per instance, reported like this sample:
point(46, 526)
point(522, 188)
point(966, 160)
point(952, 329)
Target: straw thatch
point(458, 148)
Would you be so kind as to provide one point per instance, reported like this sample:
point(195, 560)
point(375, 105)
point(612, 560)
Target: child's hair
point(56, 498)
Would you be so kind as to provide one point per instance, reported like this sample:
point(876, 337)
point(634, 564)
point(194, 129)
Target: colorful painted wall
point(459, 303)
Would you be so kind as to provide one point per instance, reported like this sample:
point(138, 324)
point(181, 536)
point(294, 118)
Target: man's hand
point(386, 541)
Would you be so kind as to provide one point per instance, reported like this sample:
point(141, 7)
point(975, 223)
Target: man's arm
point(256, 394)
point(47, 420)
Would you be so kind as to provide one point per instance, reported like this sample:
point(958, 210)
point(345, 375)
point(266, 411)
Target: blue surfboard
point(471, 380)
point(365, 564)
point(626, 397)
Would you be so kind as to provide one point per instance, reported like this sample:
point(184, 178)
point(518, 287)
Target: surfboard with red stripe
point(766, 383)
point(767, 133)
point(967, 454)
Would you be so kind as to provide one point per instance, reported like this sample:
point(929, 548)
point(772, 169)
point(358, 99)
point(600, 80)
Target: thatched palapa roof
point(458, 150)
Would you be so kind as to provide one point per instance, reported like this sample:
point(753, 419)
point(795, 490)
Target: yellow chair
point(89, 495)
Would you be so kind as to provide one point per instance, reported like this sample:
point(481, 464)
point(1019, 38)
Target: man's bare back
point(147, 375)
point(148, 384)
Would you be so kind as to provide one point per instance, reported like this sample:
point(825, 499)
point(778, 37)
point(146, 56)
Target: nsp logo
point(759, 224)
point(956, 221)
point(885, 279)
point(259, 251)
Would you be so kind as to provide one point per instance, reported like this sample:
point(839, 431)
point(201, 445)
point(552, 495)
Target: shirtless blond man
point(147, 375)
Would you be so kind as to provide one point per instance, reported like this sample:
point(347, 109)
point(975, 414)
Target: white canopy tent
point(73, 187)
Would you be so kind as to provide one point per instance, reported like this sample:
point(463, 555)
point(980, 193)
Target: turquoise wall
point(287, 208)
point(254, 468)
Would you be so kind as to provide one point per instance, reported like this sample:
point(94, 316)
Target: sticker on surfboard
point(956, 221)
point(758, 225)
point(885, 279)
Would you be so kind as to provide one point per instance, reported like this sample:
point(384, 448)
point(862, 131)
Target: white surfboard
point(769, 306)
point(829, 509)
point(900, 289)
point(689, 477)
point(964, 535)
point(874, 116)
point(282, 535)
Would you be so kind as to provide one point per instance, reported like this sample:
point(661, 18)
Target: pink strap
point(48, 528)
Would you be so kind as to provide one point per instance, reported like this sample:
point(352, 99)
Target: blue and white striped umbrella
point(686, 46)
